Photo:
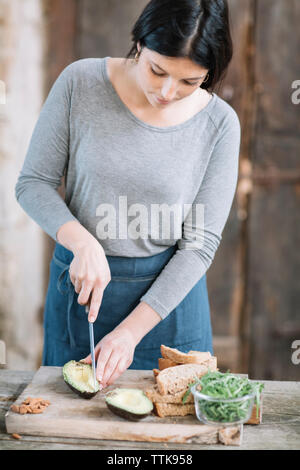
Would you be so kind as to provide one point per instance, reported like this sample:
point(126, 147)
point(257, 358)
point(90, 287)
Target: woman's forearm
point(140, 321)
point(72, 235)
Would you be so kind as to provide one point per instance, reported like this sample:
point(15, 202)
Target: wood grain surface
point(280, 427)
point(72, 416)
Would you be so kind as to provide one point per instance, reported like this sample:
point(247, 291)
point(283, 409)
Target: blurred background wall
point(254, 280)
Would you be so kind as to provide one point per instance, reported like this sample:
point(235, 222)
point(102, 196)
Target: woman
point(132, 136)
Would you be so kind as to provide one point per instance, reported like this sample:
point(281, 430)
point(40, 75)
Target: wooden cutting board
point(69, 415)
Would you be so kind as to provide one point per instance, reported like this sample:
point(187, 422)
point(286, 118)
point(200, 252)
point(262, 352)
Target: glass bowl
point(229, 411)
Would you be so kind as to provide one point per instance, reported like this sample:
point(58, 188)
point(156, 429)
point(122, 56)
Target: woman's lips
point(162, 101)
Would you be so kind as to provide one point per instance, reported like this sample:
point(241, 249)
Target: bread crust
point(177, 378)
point(192, 357)
point(164, 363)
point(176, 371)
point(153, 394)
point(168, 409)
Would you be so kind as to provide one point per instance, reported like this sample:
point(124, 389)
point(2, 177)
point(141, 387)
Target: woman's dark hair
point(197, 29)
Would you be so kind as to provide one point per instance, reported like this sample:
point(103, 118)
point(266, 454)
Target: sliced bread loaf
point(153, 394)
point(164, 363)
point(175, 379)
point(211, 363)
point(169, 409)
point(192, 357)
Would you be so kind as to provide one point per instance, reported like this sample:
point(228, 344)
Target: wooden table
point(280, 428)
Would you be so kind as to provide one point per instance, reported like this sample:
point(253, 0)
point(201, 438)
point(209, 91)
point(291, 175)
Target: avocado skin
point(126, 414)
point(86, 395)
point(120, 410)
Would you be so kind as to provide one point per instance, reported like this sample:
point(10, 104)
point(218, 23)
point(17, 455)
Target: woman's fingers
point(114, 367)
point(103, 357)
point(110, 366)
point(77, 285)
point(95, 303)
point(121, 366)
point(112, 359)
point(88, 359)
point(72, 277)
point(84, 293)
point(84, 290)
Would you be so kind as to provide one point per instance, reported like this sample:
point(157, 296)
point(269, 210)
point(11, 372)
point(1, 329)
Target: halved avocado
point(129, 403)
point(79, 377)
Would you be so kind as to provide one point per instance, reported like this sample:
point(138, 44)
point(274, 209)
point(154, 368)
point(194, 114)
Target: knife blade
point(92, 345)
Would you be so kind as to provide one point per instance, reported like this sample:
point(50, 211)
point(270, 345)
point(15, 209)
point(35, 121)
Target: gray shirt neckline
point(129, 113)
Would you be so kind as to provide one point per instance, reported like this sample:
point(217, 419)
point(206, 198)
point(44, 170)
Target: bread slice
point(192, 357)
point(153, 394)
point(175, 379)
point(211, 363)
point(200, 354)
point(164, 363)
point(168, 409)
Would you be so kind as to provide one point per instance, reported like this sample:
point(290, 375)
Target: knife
point(92, 345)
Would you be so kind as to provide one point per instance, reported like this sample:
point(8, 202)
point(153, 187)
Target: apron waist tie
point(69, 291)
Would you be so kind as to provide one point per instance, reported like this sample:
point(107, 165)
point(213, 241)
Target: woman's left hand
point(114, 354)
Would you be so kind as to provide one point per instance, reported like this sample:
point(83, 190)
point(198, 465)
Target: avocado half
point(129, 403)
point(79, 377)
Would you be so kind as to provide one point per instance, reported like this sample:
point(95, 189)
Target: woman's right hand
point(90, 274)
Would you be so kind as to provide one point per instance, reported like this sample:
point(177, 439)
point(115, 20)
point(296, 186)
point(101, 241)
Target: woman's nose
point(169, 89)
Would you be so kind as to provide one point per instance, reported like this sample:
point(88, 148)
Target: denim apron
point(66, 333)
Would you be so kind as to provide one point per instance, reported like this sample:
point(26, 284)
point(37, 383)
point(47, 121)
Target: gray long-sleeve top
point(114, 162)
